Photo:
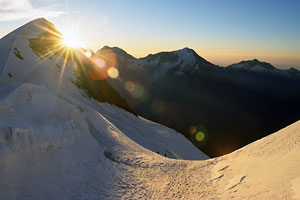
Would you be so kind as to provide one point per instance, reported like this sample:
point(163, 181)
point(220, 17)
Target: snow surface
point(186, 56)
point(55, 143)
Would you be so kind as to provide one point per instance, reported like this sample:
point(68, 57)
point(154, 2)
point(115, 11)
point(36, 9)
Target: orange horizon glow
point(223, 58)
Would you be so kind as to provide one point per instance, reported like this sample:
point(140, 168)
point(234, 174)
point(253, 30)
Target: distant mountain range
point(230, 106)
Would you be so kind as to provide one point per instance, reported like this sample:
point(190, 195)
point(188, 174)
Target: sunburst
point(72, 40)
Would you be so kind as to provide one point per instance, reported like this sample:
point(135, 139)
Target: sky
point(222, 32)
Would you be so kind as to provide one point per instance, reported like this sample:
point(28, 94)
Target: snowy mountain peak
point(186, 54)
point(253, 65)
point(176, 62)
point(35, 28)
point(34, 53)
point(39, 22)
point(184, 58)
point(19, 48)
point(117, 51)
point(185, 50)
point(292, 70)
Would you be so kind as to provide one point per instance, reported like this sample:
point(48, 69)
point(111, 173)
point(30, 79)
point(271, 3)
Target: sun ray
point(63, 45)
point(62, 70)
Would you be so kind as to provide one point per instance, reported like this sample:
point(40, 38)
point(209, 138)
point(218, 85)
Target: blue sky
point(222, 32)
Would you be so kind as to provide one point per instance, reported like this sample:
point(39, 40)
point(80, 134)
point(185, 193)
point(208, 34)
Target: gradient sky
point(223, 32)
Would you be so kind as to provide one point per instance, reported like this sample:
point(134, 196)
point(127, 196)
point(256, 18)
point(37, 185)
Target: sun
point(72, 40)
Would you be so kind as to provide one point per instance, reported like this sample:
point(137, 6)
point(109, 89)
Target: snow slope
point(56, 143)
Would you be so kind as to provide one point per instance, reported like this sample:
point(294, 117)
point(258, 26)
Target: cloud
point(11, 10)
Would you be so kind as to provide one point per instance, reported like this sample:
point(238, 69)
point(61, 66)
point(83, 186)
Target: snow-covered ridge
point(261, 67)
point(293, 71)
point(176, 62)
point(186, 60)
point(254, 64)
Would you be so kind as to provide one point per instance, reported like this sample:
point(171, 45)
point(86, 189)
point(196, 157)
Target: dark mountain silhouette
point(99, 90)
point(232, 105)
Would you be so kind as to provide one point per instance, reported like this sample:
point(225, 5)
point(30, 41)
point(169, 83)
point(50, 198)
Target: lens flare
point(113, 72)
point(88, 54)
point(200, 136)
point(99, 62)
point(138, 91)
point(193, 129)
point(129, 86)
